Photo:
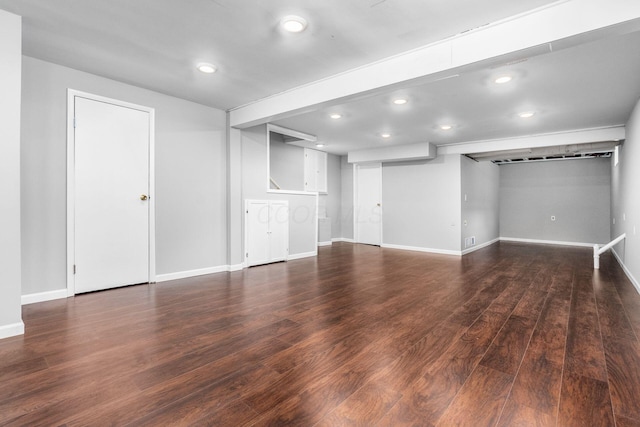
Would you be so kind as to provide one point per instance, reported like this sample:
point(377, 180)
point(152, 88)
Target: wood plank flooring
point(510, 335)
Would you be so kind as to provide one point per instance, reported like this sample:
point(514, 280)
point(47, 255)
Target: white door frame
point(356, 230)
point(71, 166)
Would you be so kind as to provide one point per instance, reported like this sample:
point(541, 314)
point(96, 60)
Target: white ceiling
point(156, 44)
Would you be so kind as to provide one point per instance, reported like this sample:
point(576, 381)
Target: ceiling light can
point(503, 79)
point(400, 101)
point(293, 23)
point(207, 68)
point(335, 116)
point(526, 114)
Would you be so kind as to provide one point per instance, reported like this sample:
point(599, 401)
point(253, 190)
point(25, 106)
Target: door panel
point(368, 212)
point(279, 231)
point(257, 231)
point(111, 175)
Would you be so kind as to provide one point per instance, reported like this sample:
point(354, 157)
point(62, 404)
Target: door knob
point(144, 197)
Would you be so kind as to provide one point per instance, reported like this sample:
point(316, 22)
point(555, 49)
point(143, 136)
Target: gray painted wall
point(10, 78)
point(421, 203)
point(626, 197)
point(302, 207)
point(330, 203)
point(190, 175)
point(576, 192)
point(286, 163)
point(346, 202)
point(480, 210)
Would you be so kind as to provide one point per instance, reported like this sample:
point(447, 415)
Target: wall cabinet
point(266, 231)
point(315, 170)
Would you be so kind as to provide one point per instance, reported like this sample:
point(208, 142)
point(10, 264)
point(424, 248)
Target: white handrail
point(597, 250)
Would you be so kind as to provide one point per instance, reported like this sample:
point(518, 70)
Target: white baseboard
point(44, 296)
point(546, 242)
point(626, 270)
point(236, 267)
point(483, 245)
point(325, 243)
point(191, 273)
point(342, 239)
point(12, 330)
point(302, 255)
point(420, 249)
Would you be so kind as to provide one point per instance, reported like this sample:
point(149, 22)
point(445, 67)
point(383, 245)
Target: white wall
point(576, 192)
point(286, 163)
point(626, 198)
point(302, 207)
point(480, 210)
point(346, 199)
point(421, 204)
point(190, 169)
point(331, 202)
point(10, 81)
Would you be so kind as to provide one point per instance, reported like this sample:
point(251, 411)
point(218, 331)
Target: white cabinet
point(266, 231)
point(315, 170)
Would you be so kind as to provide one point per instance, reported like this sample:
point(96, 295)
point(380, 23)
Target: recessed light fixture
point(526, 114)
point(293, 23)
point(335, 116)
point(446, 127)
point(503, 79)
point(400, 101)
point(207, 68)
point(385, 135)
point(319, 145)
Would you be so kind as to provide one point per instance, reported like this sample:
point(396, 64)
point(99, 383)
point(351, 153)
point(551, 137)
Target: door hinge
point(74, 122)
point(74, 269)
point(246, 255)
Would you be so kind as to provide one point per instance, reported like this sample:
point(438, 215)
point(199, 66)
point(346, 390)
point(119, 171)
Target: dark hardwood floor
point(510, 335)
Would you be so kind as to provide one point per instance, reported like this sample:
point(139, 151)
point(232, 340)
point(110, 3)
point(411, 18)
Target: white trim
point(295, 192)
point(11, 330)
point(44, 296)
point(420, 249)
point(71, 95)
point(302, 255)
point(546, 242)
point(329, 243)
point(191, 273)
point(343, 239)
point(632, 279)
point(236, 267)
point(483, 245)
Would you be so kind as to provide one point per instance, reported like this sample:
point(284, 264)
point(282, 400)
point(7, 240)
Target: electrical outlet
point(465, 223)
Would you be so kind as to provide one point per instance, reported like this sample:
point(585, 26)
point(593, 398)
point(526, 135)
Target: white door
point(278, 231)
point(368, 204)
point(111, 195)
point(257, 232)
point(266, 231)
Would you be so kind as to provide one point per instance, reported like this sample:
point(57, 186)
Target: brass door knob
point(144, 197)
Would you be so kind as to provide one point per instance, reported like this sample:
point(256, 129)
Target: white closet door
point(279, 231)
point(266, 231)
point(368, 212)
point(111, 195)
point(257, 232)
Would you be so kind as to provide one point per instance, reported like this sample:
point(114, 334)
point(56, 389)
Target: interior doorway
point(367, 216)
point(110, 226)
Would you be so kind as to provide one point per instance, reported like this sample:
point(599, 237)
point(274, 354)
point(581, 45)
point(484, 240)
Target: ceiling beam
point(557, 26)
point(580, 136)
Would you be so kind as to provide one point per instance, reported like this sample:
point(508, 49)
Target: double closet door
point(266, 231)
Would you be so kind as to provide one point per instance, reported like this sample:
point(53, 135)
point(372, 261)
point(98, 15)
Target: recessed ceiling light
point(320, 145)
point(400, 101)
point(335, 116)
point(526, 114)
point(385, 135)
point(446, 127)
point(205, 67)
point(293, 23)
point(503, 79)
